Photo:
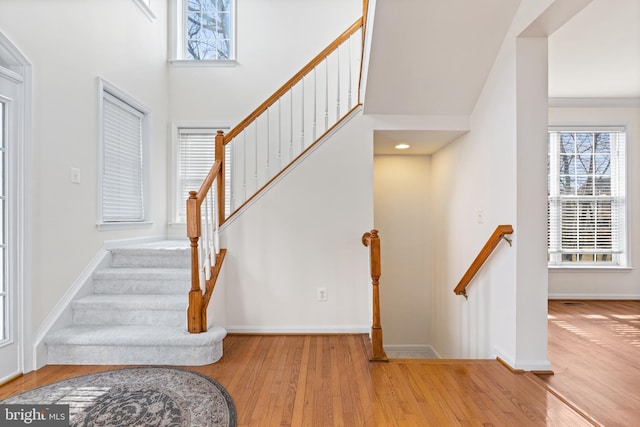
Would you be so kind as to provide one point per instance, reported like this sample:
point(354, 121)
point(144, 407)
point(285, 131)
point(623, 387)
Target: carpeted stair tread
point(131, 335)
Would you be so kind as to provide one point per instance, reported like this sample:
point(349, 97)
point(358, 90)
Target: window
point(194, 158)
point(123, 168)
point(586, 197)
point(204, 30)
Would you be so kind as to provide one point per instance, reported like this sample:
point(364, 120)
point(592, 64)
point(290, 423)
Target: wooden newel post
point(219, 155)
point(194, 311)
point(373, 241)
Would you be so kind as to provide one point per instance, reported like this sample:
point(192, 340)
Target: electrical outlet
point(322, 294)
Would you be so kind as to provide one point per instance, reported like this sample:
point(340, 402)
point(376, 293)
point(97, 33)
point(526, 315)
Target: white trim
point(329, 329)
point(366, 51)
point(573, 296)
point(145, 7)
point(24, 155)
point(106, 87)
point(60, 316)
point(102, 226)
point(411, 351)
point(589, 269)
point(293, 165)
point(526, 365)
point(12, 76)
point(594, 102)
point(203, 63)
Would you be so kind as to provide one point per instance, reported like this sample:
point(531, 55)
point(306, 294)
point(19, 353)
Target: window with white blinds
point(194, 158)
point(122, 183)
point(586, 197)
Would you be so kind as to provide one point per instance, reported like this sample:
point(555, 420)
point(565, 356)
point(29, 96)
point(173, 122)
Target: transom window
point(203, 31)
point(586, 197)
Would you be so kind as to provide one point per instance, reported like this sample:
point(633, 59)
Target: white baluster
point(349, 88)
point(291, 126)
point(213, 196)
point(244, 166)
point(338, 85)
point(267, 176)
point(255, 162)
point(315, 91)
point(302, 116)
point(326, 94)
point(279, 135)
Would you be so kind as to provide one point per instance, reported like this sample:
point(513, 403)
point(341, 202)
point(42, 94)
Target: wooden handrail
point(292, 81)
point(372, 240)
point(500, 232)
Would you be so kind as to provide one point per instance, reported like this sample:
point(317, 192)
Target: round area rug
point(150, 396)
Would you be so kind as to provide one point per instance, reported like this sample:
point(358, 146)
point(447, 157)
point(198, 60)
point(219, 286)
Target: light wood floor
point(594, 349)
point(328, 381)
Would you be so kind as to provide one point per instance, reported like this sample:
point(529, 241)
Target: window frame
point(107, 89)
point(620, 257)
point(178, 34)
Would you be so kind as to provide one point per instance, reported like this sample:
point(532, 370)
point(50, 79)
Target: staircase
point(137, 314)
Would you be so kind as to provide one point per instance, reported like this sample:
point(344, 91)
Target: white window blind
point(122, 179)
point(195, 157)
point(586, 197)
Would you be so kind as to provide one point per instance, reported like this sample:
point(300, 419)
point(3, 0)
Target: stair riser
point(128, 259)
point(98, 316)
point(161, 287)
point(133, 355)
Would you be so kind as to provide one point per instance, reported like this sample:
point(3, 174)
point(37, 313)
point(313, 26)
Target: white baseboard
point(595, 296)
point(330, 329)
point(411, 351)
point(525, 365)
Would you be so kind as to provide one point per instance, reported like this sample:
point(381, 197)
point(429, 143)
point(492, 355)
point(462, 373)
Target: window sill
point(589, 269)
point(105, 226)
point(203, 63)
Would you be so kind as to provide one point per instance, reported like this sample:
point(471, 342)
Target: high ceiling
point(597, 53)
point(446, 50)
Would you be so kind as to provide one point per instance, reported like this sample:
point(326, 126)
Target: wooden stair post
point(372, 240)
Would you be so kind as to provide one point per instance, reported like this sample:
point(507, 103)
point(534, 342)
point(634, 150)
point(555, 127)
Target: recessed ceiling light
point(402, 146)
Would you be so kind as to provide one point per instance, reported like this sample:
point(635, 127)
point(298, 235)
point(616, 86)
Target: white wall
point(401, 214)
point(607, 283)
point(276, 39)
point(485, 170)
point(70, 43)
point(302, 234)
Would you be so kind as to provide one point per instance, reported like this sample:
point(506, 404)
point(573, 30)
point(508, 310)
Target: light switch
point(74, 175)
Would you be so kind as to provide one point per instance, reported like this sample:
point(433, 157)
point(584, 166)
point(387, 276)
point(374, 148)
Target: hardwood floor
point(594, 349)
point(328, 381)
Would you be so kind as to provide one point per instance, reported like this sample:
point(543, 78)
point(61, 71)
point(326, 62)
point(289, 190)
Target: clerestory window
point(204, 31)
point(586, 191)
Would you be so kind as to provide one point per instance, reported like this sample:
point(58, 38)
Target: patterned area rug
point(150, 396)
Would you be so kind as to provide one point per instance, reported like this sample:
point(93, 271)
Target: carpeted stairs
point(137, 314)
